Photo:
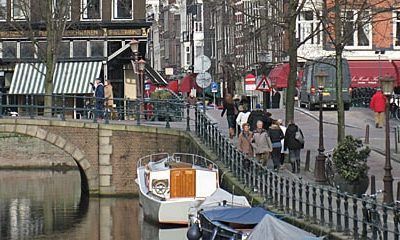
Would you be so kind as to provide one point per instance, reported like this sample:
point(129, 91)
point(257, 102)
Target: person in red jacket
point(378, 105)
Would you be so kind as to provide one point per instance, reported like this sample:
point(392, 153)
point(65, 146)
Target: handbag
point(299, 137)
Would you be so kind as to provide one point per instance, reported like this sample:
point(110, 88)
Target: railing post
point(27, 105)
point(385, 223)
point(338, 211)
point(300, 190)
point(355, 218)
point(293, 198)
point(281, 193)
point(31, 108)
point(196, 120)
point(322, 206)
point(63, 108)
point(365, 219)
point(167, 125)
point(287, 186)
point(314, 204)
point(1, 104)
point(276, 188)
point(374, 219)
point(346, 215)
point(138, 112)
point(95, 110)
point(107, 115)
point(307, 215)
point(396, 221)
point(330, 209)
point(188, 117)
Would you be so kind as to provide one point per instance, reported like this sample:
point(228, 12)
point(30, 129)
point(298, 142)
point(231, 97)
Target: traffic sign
point(214, 87)
point(250, 82)
point(203, 80)
point(201, 64)
point(264, 85)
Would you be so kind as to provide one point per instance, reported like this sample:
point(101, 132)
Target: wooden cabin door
point(183, 183)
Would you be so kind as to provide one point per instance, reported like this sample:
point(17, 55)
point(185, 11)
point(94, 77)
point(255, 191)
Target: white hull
point(167, 212)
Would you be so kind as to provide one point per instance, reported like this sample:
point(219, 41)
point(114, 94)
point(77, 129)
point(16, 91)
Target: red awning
point(279, 76)
point(366, 73)
point(188, 83)
point(173, 86)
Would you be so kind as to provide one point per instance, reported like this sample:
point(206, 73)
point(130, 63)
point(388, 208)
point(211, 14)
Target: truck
point(309, 97)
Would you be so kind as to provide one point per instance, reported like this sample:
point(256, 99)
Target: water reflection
point(48, 205)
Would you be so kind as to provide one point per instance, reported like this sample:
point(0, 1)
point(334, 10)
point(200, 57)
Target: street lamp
point(319, 172)
point(380, 52)
point(134, 46)
point(387, 89)
point(141, 64)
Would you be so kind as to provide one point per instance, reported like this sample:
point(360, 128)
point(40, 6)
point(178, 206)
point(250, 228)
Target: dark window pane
point(91, 9)
point(27, 50)
point(308, 15)
point(9, 49)
point(348, 33)
point(97, 48)
point(80, 49)
point(363, 39)
point(64, 50)
point(123, 9)
point(397, 33)
point(41, 50)
point(3, 9)
point(113, 46)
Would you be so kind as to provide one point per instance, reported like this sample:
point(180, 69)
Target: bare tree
point(340, 20)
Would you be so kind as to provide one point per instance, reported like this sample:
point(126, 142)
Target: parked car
point(309, 85)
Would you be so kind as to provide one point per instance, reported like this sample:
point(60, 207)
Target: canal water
point(48, 205)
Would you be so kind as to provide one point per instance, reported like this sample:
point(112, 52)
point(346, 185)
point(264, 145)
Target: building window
point(20, 9)
point(64, 49)
point(62, 9)
point(91, 9)
point(80, 49)
point(396, 24)
point(96, 48)
point(3, 9)
point(9, 50)
point(307, 24)
point(122, 9)
point(41, 50)
point(27, 50)
point(357, 29)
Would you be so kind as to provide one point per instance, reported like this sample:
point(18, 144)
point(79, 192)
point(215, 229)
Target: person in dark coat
point(294, 145)
point(258, 115)
point(99, 95)
point(231, 112)
point(276, 98)
point(276, 135)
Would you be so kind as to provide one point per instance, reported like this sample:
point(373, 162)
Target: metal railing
point(324, 206)
point(93, 109)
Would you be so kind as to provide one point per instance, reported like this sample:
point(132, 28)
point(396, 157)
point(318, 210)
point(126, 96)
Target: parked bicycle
point(329, 168)
point(372, 216)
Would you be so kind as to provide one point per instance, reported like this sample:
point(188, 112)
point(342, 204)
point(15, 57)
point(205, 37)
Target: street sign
point(201, 64)
point(169, 71)
point(264, 85)
point(250, 82)
point(214, 87)
point(203, 80)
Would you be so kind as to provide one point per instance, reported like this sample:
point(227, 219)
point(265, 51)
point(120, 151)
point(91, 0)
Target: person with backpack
point(294, 141)
point(276, 135)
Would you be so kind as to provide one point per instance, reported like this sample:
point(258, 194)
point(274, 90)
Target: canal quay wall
point(106, 154)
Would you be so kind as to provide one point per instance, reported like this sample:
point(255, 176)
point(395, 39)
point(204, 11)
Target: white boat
point(170, 185)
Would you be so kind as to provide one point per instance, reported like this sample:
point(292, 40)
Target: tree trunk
point(292, 52)
point(339, 73)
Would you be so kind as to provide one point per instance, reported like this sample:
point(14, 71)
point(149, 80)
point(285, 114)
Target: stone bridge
point(106, 154)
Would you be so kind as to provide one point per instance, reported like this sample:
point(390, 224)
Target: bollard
point(373, 185)
point(308, 158)
point(188, 117)
point(366, 140)
point(396, 140)
point(398, 191)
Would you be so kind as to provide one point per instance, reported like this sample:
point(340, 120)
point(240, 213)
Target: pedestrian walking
point(231, 112)
point(294, 141)
point(378, 104)
point(276, 135)
point(109, 98)
point(244, 141)
point(261, 143)
point(98, 88)
point(242, 117)
point(283, 151)
point(276, 98)
point(257, 115)
point(192, 100)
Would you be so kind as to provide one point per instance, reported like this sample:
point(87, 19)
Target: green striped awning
point(69, 77)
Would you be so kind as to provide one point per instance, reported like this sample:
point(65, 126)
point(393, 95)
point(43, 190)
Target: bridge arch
point(85, 169)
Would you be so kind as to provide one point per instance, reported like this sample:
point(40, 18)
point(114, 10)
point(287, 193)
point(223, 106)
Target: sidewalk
point(356, 119)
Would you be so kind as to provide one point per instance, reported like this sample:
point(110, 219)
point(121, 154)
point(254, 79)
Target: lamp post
point(387, 89)
point(319, 172)
point(141, 64)
point(380, 52)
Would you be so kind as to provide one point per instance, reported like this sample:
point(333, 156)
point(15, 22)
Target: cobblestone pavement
point(356, 121)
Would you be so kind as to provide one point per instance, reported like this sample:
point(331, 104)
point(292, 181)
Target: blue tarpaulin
point(236, 215)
